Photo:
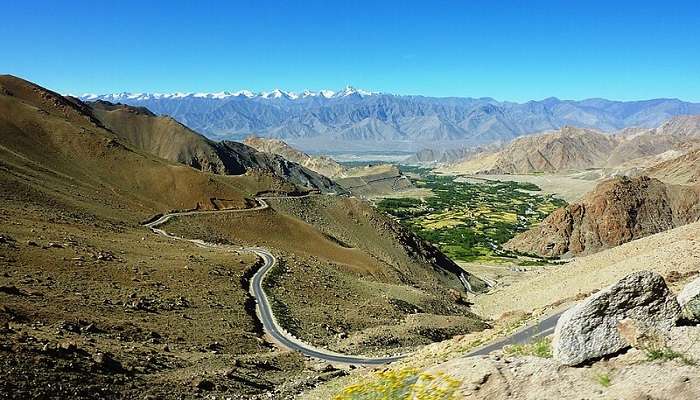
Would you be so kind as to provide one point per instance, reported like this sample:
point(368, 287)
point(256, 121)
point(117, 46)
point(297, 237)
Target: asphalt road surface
point(541, 329)
point(286, 340)
point(263, 308)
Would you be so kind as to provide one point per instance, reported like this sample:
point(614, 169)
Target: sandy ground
point(566, 187)
point(674, 250)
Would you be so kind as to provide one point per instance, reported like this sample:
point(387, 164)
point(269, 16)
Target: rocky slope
point(91, 299)
point(617, 211)
point(355, 119)
point(49, 142)
point(448, 155)
point(573, 148)
point(684, 169)
point(644, 369)
point(367, 180)
point(682, 125)
point(634, 323)
point(166, 138)
point(323, 165)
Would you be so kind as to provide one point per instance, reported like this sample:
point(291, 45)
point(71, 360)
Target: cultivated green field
point(470, 221)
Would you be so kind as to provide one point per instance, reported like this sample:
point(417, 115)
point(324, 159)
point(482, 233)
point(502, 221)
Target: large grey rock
point(589, 329)
point(689, 299)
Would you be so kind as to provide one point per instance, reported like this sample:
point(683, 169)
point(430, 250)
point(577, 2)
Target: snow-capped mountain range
point(274, 94)
point(353, 119)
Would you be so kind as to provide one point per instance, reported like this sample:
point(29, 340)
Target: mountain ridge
point(167, 138)
point(572, 148)
point(356, 119)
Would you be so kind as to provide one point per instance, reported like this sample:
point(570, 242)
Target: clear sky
point(509, 50)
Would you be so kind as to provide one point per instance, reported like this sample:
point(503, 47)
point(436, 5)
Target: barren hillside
point(573, 148)
point(617, 211)
point(166, 138)
point(323, 165)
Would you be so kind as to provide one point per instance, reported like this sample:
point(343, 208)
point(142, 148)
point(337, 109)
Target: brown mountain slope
point(683, 170)
point(643, 148)
point(169, 139)
point(92, 299)
point(323, 165)
point(55, 143)
point(617, 211)
point(569, 148)
point(368, 180)
point(683, 125)
point(575, 149)
point(566, 149)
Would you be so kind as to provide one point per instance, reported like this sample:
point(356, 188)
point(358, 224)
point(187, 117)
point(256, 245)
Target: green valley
point(470, 219)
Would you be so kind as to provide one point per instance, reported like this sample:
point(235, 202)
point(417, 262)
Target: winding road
point(286, 340)
point(542, 328)
point(263, 308)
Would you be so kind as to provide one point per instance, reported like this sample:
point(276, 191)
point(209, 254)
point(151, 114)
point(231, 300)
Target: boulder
point(689, 300)
point(589, 330)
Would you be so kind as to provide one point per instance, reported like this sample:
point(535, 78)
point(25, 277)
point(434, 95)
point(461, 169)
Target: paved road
point(263, 308)
point(283, 338)
point(541, 329)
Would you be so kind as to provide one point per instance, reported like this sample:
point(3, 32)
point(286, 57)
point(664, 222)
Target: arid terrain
point(94, 304)
point(359, 200)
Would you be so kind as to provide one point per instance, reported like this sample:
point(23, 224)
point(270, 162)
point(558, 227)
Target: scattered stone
point(6, 328)
point(328, 368)
point(53, 245)
point(107, 362)
point(105, 256)
point(13, 290)
point(154, 335)
point(5, 239)
point(90, 328)
point(69, 327)
point(32, 243)
point(142, 305)
point(589, 330)
point(689, 300)
point(67, 348)
point(204, 384)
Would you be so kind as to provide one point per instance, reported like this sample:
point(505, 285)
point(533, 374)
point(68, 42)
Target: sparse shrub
point(400, 384)
point(539, 348)
point(603, 378)
point(664, 353)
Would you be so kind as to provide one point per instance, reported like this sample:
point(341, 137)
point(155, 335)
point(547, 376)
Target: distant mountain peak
point(273, 94)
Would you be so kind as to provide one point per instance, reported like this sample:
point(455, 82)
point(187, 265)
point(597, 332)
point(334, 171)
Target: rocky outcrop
point(625, 376)
point(689, 299)
point(617, 211)
point(589, 330)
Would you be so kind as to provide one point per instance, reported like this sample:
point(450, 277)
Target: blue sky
point(509, 50)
